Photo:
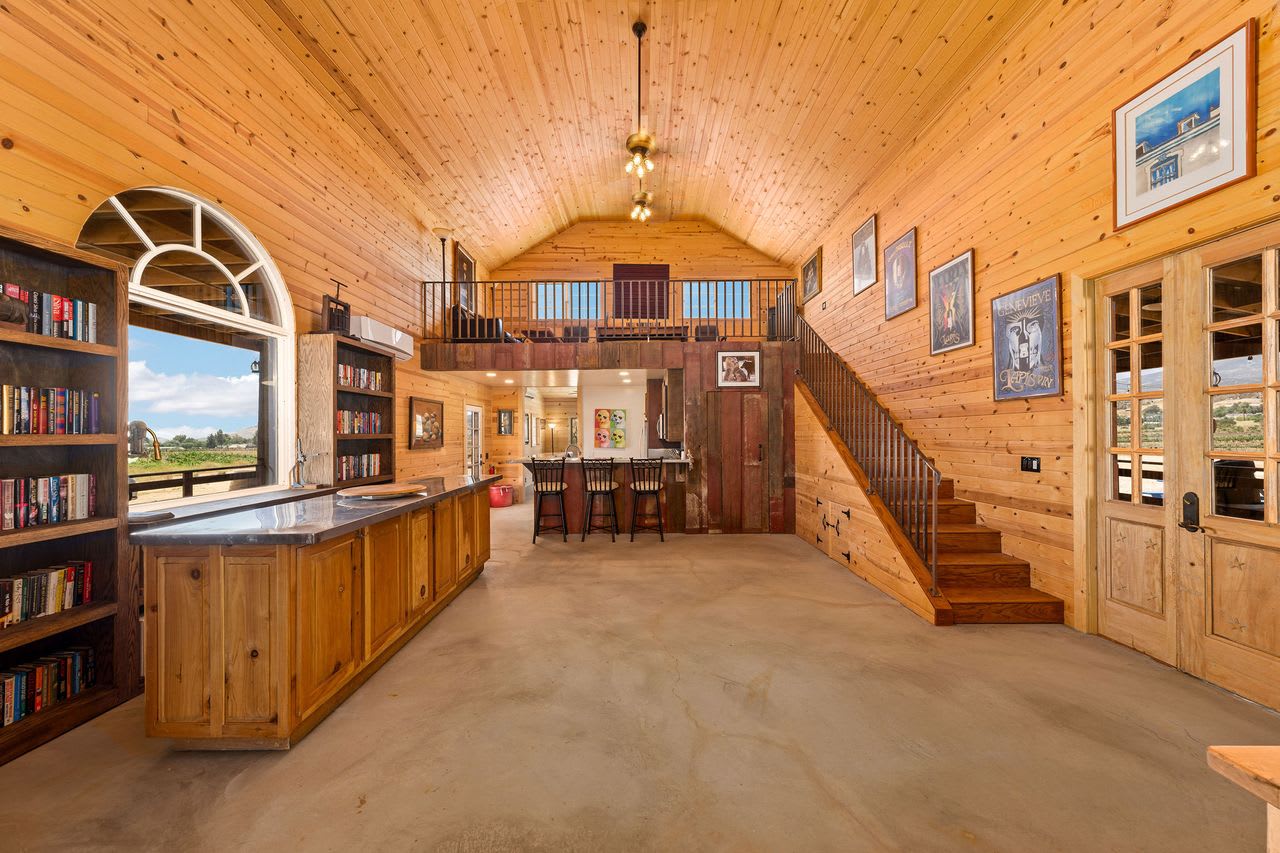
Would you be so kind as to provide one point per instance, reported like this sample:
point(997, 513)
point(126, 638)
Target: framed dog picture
point(426, 424)
point(738, 370)
point(1190, 134)
point(1026, 346)
point(900, 275)
point(951, 305)
point(864, 256)
point(811, 277)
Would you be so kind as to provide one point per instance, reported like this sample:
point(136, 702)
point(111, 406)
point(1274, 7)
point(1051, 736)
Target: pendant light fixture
point(640, 145)
point(641, 204)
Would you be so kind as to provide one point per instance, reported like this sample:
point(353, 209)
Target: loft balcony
point(609, 311)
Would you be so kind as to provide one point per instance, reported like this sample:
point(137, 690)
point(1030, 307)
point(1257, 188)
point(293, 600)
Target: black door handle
point(1191, 513)
point(760, 451)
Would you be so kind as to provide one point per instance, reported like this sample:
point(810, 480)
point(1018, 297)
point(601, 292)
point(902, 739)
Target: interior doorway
point(473, 441)
point(1188, 461)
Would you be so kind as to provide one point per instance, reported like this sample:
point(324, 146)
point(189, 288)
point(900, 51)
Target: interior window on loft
point(719, 299)
point(567, 300)
point(210, 341)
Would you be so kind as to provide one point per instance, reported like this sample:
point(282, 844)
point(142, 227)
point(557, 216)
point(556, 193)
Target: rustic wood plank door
point(738, 432)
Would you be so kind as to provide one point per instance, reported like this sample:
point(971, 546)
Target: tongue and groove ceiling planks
point(511, 116)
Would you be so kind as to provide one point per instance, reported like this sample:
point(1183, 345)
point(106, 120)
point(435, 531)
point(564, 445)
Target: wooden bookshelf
point(109, 623)
point(321, 396)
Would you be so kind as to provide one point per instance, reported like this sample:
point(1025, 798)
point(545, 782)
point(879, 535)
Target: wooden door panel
point(1243, 581)
point(421, 558)
point(755, 452)
point(384, 584)
point(731, 459)
point(465, 534)
point(482, 541)
point(249, 619)
point(179, 659)
point(446, 551)
point(1135, 565)
point(328, 627)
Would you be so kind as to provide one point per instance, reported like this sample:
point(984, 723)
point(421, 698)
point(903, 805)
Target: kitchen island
point(674, 475)
point(260, 622)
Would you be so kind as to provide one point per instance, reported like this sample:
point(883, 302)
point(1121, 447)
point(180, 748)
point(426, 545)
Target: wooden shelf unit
point(109, 623)
point(321, 397)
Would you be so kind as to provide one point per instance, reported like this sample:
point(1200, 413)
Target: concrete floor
point(710, 693)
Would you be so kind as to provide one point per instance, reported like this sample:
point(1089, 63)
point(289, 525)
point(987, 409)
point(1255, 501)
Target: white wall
point(631, 398)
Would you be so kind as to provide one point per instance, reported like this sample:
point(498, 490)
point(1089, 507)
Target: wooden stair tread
point(963, 527)
point(976, 558)
point(998, 595)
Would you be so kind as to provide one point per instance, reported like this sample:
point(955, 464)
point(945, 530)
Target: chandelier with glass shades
point(641, 204)
point(640, 145)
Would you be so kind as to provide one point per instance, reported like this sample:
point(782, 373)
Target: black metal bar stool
point(598, 482)
point(646, 482)
point(548, 482)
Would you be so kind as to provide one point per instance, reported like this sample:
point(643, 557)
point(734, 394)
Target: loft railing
point(609, 310)
point(905, 480)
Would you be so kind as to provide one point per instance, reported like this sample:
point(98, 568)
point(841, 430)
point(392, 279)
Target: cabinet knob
point(422, 591)
point(253, 653)
point(341, 590)
point(195, 574)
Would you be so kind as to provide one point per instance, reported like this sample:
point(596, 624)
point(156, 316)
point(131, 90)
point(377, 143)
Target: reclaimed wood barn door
point(737, 434)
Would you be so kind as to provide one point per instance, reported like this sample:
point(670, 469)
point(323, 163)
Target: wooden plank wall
point(456, 393)
point(96, 98)
point(1018, 168)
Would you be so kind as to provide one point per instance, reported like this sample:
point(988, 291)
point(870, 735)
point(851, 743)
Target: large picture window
point(211, 348)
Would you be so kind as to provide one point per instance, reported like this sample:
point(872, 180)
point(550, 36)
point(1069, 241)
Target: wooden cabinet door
point(839, 533)
point(446, 547)
point(483, 550)
point(179, 689)
point(384, 584)
point(421, 558)
point(466, 535)
point(328, 620)
point(251, 602)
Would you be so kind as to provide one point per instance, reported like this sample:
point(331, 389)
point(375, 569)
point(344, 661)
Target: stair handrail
point(897, 470)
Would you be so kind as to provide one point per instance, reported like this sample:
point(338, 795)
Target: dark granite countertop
point(142, 517)
point(303, 522)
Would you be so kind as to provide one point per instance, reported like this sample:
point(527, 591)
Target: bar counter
point(261, 621)
point(674, 475)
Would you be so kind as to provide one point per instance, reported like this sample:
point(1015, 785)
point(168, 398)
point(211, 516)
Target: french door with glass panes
point(472, 441)
point(1189, 474)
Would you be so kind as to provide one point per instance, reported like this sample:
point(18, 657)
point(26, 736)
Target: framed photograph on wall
point(951, 305)
point(864, 256)
point(426, 424)
point(811, 277)
point(506, 421)
point(464, 276)
point(1026, 345)
point(1190, 134)
point(900, 275)
point(738, 370)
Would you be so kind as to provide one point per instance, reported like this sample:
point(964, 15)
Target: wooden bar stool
point(646, 482)
point(598, 482)
point(548, 483)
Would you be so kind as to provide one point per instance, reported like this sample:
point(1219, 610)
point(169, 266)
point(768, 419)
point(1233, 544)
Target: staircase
point(969, 572)
point(980, 582)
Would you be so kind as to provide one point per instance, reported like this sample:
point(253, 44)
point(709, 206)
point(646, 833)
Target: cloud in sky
point(232, 399)
point(166, 433)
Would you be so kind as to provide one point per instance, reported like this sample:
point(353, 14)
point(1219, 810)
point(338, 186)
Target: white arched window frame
point(283, 382)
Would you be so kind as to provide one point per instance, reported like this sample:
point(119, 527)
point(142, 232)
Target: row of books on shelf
point(40, 684)
point(56, 316)
point(359, 466)
point(45, 592)
point(359, 422)
point(359, 377)
point(48, 411)
point(32, 501)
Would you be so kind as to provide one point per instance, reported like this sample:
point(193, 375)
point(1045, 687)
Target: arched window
point(211, 361)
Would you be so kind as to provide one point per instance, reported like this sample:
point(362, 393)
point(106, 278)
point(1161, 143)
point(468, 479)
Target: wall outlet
point(1031, 464)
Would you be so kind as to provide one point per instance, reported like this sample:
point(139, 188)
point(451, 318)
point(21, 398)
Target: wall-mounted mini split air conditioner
point(382, 337)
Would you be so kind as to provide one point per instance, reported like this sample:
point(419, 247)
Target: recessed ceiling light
point(624, 373)
point(626, 382)
point(491, 375)
point(509, 381)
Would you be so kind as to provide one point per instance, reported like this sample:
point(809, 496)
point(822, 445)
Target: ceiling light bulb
point(630, 167)
point(636, 158)
point(648, 164)
point(635, 212)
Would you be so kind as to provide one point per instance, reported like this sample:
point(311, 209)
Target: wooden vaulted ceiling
point(511, 114)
